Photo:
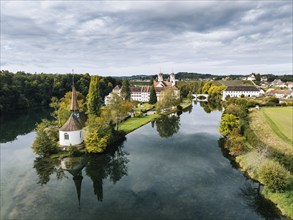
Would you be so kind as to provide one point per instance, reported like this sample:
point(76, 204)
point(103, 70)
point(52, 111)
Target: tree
point(125, 90)
point(119, 108)
point(62, 107)
point(257, 77)
point(206, 87)
point(97, 134)
point(94, 100)
point(153, 95)
point(228, 123)
point(46, 139)
point(189, 95)
point(168, 99)
point(151, 81)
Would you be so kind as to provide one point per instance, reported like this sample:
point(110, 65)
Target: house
point(280, 93)
point(264, 79)
point(116, 90)
point(238, 91)
point(251, 77)
point(72, 132)
point(278, 83)
point(290, 85)
point(265, 85)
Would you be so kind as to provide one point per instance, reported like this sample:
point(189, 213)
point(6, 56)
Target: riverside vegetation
point(271, 166)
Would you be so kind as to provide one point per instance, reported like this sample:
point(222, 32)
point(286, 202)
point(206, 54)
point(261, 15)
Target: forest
point(22, 90)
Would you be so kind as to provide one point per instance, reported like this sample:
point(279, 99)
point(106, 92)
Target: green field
point(280, 120)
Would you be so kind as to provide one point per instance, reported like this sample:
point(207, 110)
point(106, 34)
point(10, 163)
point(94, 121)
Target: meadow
point(280, 120)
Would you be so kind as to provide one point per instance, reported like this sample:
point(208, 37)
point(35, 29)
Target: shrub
point(285, 159)
point(274, 176)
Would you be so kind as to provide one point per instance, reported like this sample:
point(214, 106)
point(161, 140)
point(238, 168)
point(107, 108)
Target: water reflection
point(12, 125)
point(211, 106)
point(45, 167)
point(255, 201)
point(112, 165)
point(168, 125)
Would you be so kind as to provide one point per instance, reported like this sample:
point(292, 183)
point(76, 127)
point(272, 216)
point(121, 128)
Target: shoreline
point(249, 163)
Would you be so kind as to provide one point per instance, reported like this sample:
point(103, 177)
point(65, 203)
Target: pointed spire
point(74, 105)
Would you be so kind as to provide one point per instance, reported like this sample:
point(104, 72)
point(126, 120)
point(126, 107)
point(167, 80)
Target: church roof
point(241, 88)
point(165, 83)
point(72, 124)
point(74, 104)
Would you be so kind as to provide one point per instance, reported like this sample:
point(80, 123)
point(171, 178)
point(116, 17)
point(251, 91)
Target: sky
point(145, 37)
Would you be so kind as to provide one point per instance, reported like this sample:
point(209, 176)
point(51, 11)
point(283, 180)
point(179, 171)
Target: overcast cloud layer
point(142, 37)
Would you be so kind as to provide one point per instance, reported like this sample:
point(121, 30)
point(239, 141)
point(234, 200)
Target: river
point(171, 169)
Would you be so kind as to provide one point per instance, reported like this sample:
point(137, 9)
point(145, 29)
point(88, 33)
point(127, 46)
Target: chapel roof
point(72, 124)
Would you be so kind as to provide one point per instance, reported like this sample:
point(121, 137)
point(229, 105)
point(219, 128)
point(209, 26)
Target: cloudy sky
point(144, 37)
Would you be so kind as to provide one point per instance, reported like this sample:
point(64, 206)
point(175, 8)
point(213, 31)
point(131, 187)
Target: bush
point(274, 176)
point(44, 145)
point(284, 159)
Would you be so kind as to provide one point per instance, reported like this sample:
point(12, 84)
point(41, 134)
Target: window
point(66, 136)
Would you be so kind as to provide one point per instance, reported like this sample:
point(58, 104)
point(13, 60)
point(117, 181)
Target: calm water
point(171, 169)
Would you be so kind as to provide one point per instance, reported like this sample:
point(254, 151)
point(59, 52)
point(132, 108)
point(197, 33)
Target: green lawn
point(144, 107)
point(133, 123)
point(280, 120)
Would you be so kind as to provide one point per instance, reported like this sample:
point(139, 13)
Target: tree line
point(24, 90)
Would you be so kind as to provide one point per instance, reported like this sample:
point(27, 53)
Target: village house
point(251, 77)
point(278, 83)
point(116, 90)
point(264, 79)
point(286, 94)
point(290, 85)
point(238, 91)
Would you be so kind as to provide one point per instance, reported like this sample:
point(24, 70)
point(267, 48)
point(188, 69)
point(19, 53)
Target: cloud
point(114, 38)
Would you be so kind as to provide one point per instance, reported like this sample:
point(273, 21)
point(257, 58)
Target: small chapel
point(72, 132)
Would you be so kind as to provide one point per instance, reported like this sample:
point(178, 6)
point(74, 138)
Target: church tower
point(160, 77)
point(71, 133)
point(172, 79)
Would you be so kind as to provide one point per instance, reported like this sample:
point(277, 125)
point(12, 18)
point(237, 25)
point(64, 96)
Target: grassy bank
point(132, 124)
point(266, 132)
point(259, 150)
point(250, 164)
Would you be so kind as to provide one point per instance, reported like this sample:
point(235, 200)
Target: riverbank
point(268, 147)
point(132, 124)
point(250, 163)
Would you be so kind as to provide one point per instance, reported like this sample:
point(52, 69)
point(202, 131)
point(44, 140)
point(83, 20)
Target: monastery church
point(142, 93)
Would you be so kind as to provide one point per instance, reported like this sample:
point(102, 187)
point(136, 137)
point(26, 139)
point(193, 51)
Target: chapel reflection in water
point(111, 164)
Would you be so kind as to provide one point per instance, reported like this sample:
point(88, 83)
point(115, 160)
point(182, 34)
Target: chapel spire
point(74, 105)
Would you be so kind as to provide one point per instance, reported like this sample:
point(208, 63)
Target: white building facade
point(238, 91)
